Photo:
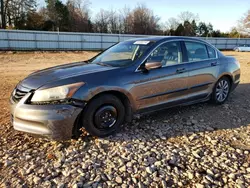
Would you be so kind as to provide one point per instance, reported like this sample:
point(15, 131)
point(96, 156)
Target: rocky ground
point(195, 146)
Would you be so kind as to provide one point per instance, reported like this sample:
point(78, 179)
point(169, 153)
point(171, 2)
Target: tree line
point(74, 16)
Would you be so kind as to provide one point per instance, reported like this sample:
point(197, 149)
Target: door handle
point(180, 70)
point(213, 63)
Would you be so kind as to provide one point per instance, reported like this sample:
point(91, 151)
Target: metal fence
point(44, 40)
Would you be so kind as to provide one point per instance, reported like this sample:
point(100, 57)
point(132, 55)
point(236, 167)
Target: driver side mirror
point(153, 65)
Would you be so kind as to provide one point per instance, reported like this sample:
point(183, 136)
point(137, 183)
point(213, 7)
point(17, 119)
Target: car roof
point(165, 38)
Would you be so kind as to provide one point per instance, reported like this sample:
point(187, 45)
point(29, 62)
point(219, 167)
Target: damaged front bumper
point(52, 120)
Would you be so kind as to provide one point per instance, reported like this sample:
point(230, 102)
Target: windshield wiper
point(87, 61)
point(103, 64)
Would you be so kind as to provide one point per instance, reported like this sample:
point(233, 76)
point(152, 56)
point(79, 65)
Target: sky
point(223, 14)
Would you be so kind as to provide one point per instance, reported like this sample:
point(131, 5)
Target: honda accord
point(134, 76)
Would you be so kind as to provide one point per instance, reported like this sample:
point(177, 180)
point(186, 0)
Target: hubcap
point(105, 117)
point(222, 90)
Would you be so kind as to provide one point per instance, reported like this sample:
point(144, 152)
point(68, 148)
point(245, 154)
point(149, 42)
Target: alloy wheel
point(222, 90)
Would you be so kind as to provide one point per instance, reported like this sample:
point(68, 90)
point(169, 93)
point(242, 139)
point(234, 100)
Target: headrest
point(172, 49)
point(200, 51)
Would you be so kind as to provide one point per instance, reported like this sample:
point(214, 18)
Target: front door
point(165, 86)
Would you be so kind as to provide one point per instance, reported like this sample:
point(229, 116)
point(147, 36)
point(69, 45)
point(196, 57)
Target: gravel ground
point(195, 146)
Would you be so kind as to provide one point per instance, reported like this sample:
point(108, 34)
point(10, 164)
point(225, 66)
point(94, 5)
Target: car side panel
point(230, 67)
point(202, 77)
point(159, 86)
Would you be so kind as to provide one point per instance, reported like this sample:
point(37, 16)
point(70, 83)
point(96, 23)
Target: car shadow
point(186, 120)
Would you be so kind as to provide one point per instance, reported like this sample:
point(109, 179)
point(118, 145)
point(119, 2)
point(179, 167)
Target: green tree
point(216, 33)
point(234, 33)
point(179, 31)
point(58, 15)
point(203, 29)
point(195, 28)
point(188, 29)
point(210, 29)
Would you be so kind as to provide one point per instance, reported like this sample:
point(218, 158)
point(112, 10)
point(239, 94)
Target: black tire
point(89, 115)
point(214, 97)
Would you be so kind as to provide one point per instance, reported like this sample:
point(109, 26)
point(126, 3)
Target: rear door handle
point(213, 63)
point(180, 70)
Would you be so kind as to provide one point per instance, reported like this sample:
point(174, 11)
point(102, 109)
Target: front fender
point(85, 93)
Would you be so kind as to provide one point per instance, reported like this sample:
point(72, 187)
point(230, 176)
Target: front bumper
point(54, 120)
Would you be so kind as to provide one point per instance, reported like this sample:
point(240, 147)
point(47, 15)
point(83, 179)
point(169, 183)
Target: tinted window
point(211, 52)
point(168, 54)
point(196, 51)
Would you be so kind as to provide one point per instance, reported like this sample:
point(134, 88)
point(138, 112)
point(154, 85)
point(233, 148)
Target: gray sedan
point(135, 76)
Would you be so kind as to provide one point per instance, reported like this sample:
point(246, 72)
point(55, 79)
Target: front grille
point(18, 94)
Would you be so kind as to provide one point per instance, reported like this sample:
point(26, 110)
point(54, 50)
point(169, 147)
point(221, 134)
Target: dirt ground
point(235, 113)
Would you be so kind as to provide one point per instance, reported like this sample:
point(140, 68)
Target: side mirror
point(153, 65)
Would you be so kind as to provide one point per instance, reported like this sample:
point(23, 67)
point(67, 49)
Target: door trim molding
point(200, 85)
point(163, 93)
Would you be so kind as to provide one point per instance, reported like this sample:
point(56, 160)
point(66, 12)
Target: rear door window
point(211, 52)
point(196, 51)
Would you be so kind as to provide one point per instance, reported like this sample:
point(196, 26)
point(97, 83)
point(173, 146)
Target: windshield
point(122, 54)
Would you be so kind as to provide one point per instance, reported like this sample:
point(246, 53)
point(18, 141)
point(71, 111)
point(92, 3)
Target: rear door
point(202, 69)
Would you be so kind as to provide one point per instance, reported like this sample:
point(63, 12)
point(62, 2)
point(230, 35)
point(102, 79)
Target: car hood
point(45, 76)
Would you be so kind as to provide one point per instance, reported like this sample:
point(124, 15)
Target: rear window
point(196, 51)
point(211, 52)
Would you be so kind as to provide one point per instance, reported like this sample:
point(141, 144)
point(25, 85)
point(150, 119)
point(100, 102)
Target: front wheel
point(221, 91)
point(103, 116)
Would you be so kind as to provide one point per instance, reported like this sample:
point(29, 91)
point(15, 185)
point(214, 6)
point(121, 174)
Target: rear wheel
point(103, 116)
point(221, 91)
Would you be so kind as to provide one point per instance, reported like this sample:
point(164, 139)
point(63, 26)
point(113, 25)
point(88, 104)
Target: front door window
point(168, 54)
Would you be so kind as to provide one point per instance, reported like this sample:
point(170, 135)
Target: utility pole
point(3, 26)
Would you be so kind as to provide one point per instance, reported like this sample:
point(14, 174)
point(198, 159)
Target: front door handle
point(213, 63)
point(180, 70)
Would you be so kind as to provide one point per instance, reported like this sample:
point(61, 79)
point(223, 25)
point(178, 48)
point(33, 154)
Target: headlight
point(56, 93)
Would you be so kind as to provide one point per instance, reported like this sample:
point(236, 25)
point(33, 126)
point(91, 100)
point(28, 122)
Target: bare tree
point(144, 20)
point(79, 15)
point(101, 21)
point(126, 20)
point(244, 24)
point(172, 23)
point(113, 21)
point(188, 16)
point(16, 10)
